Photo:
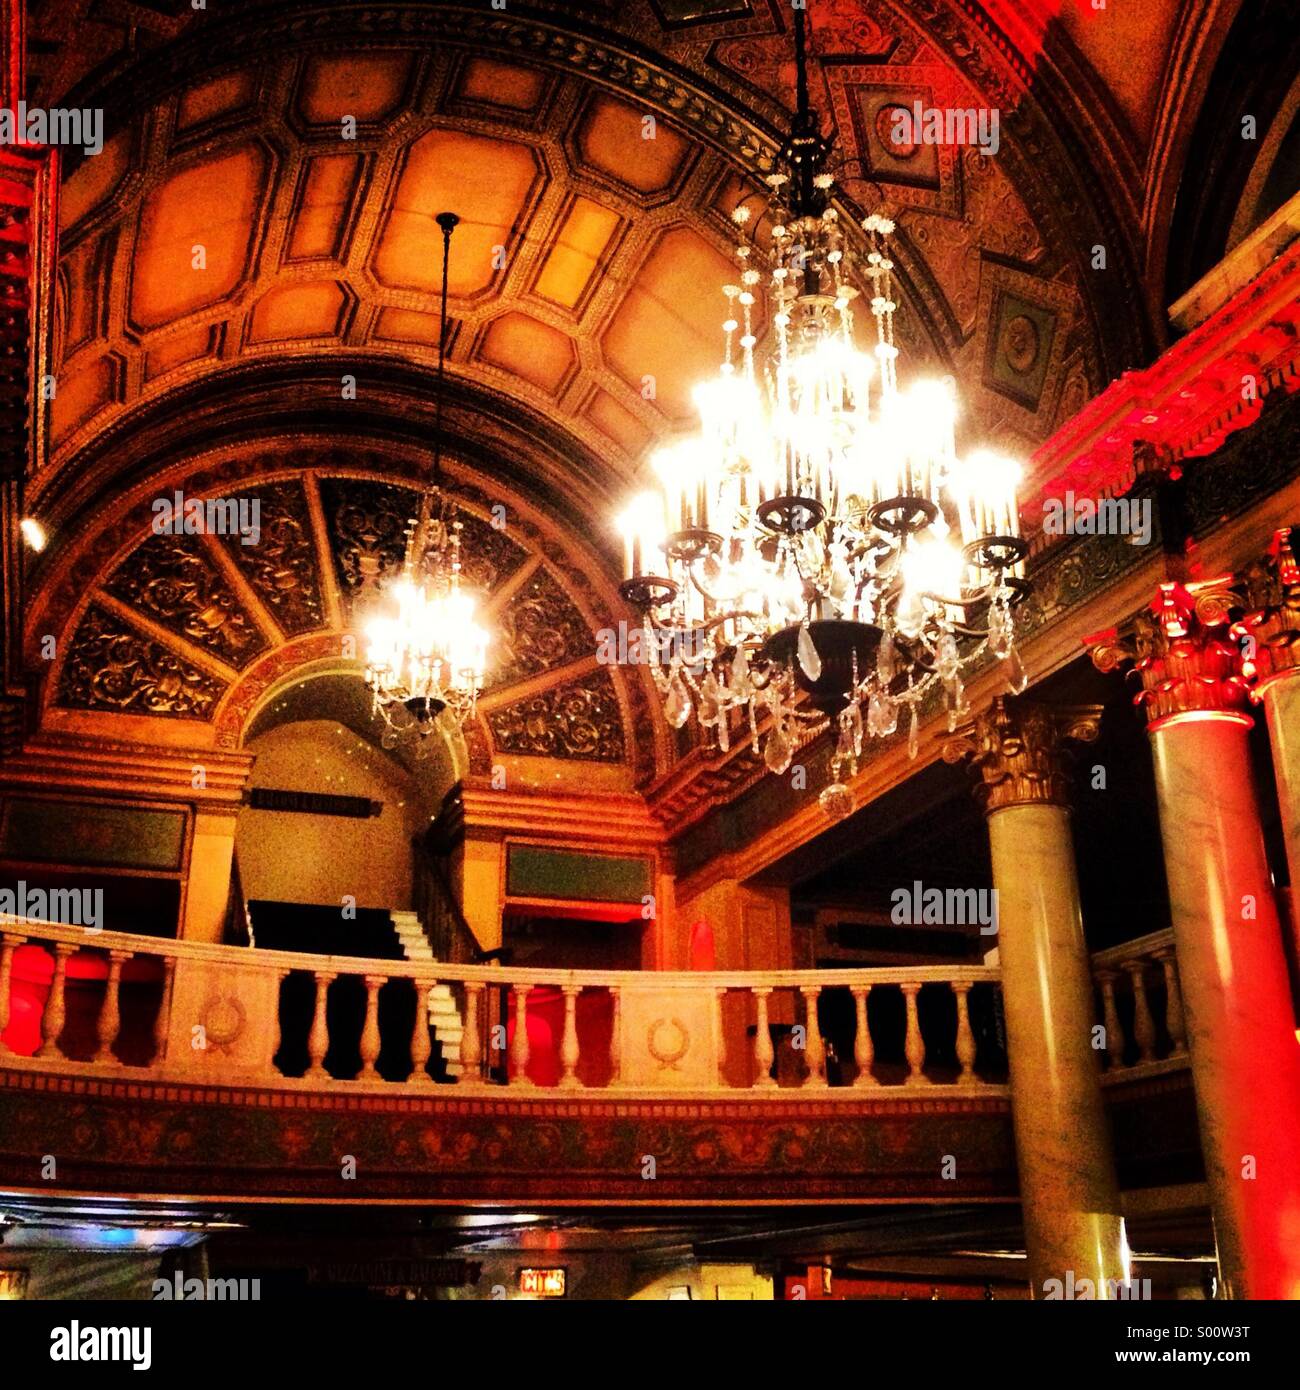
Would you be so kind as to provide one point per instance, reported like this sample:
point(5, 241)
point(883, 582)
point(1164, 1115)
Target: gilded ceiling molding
point(265, 405)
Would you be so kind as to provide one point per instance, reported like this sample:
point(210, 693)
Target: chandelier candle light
point(817, 552)
point(425, 651)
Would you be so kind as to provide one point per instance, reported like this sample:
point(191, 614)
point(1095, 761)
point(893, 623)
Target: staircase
point(444, 1017)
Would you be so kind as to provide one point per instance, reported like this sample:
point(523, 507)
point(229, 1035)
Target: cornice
point(72, 763)
point(595, 821)
point(1188, 401)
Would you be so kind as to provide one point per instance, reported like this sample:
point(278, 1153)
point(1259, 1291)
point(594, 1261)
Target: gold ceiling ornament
point(1269, 631)
point(818, 553)
point(425, 650)
point(1183, 652)
point(1018, 748)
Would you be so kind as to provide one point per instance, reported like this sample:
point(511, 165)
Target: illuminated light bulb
point(985, 485)
point(33, 533)
point(933, 567)
point(644, 533)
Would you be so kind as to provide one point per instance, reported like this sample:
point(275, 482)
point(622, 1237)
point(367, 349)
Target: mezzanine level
point(174, 1068)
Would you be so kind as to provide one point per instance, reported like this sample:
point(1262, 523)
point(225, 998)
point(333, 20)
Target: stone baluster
point(720, 1024)
point(370, 1040)
point(763, 1053)
point(9, 943)
point(471, 1044)
point(814, 1047)
point(110, 1012)
point(569, 1042)
point(863, 1051)
point(55, 1015)
point(616, 1037)
point(421, 1043)
point(521, 1052)
point(318, 1038)
point(1175, 1023)
point(1144, 1028)
point(1110, 1018)
point(277, 1033)
point(163, 1020)
point(965, 1038)
point(914, 1045)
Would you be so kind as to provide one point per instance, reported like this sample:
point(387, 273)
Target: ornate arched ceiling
point(186, 637)
point(266, 189)
point(250, 268)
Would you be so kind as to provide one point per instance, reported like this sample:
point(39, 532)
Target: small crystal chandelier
point(425, 651)
point(817, 554)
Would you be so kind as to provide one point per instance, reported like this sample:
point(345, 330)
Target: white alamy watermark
point(71, 907)
point(947, 125)
point(179, 515)
point(59, 125)
point(632, 644)
point(179, 1289)
point(1107, 516)
point(78, 1343)
point(945, 907)
point(1128, 1290)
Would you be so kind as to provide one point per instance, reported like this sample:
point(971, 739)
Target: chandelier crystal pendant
point(425, 650)
point(817, 554)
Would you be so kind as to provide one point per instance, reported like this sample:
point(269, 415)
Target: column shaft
point(1068, 1190)
point(1240, 1023)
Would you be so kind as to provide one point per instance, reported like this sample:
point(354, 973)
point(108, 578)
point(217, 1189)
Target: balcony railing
point(1140, 1006)
point(197, 1012)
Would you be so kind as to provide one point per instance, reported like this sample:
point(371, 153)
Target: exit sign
point(542, 1283)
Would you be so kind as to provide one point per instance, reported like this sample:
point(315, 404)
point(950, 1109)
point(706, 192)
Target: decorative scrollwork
point(1018, 748)
point(172, 580)
point(540, 630)
point(1179, 650)
point(282, 566)
point(580, 720)
point(1270, 629)
point(113, 667)
point(367, 528)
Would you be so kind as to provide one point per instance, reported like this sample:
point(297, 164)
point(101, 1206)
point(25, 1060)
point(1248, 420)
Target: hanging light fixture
point(425, 650)
point(817, 553)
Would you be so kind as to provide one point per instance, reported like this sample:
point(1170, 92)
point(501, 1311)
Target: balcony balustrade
point(1140, 1007)
point(233, 1015)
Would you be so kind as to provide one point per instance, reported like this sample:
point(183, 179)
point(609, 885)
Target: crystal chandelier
point(817, 554)
point(425, 651)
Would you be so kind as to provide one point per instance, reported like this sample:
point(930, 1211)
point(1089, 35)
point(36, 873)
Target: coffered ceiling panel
point(269, 181)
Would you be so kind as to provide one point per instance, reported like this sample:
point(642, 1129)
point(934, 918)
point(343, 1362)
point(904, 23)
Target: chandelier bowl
point(847, 650)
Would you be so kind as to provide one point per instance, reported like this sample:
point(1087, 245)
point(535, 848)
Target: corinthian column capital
point(1270, 628)
point(1182, 652)
point(1018, 748)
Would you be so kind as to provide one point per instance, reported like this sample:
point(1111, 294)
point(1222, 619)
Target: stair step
point(443, 1014)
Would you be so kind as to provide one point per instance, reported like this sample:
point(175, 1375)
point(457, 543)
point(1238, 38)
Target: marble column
point(1269, 636)
point(1068, 1192)
point(1239, 1016)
